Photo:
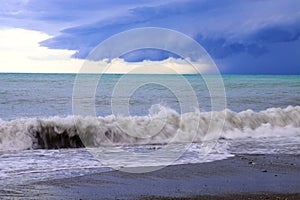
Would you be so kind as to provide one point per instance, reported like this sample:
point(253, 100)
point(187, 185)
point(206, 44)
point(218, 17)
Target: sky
point(242, 37)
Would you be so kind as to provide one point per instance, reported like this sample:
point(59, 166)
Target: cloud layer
point(241, 36)
point(21, 52)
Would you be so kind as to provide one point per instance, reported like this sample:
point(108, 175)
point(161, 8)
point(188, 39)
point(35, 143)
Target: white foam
point(112, 130)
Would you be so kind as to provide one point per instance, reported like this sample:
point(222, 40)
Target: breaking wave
point(76, 131)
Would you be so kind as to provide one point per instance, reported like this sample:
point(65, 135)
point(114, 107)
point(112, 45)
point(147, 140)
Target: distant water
point(36, 123)
point(44, 95)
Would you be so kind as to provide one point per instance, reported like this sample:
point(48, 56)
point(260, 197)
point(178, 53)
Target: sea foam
point(161, 127)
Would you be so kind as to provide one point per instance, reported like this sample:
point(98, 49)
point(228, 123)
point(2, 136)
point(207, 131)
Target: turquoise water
point(43, 95)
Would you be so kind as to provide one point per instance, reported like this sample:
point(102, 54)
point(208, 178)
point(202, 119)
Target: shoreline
point(245, 176)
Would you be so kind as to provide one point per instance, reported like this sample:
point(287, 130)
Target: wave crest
point(75, 131)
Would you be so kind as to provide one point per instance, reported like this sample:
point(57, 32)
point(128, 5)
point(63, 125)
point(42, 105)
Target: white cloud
point(168, 66)
point(20, 52)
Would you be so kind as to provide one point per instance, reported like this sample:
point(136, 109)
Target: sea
point(51, 127)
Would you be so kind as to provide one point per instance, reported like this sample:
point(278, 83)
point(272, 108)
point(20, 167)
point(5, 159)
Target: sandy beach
point(239, 177)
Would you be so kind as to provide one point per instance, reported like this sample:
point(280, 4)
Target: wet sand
point(239, 177)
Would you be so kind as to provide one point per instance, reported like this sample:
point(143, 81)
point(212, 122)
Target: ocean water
point(42, 137)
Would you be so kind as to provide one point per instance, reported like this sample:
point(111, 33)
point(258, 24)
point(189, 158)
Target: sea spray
point(76, 131)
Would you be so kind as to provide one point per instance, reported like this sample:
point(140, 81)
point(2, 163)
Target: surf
point(76, 131)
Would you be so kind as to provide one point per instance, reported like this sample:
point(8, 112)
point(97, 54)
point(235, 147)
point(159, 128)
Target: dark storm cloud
point(240, 35)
